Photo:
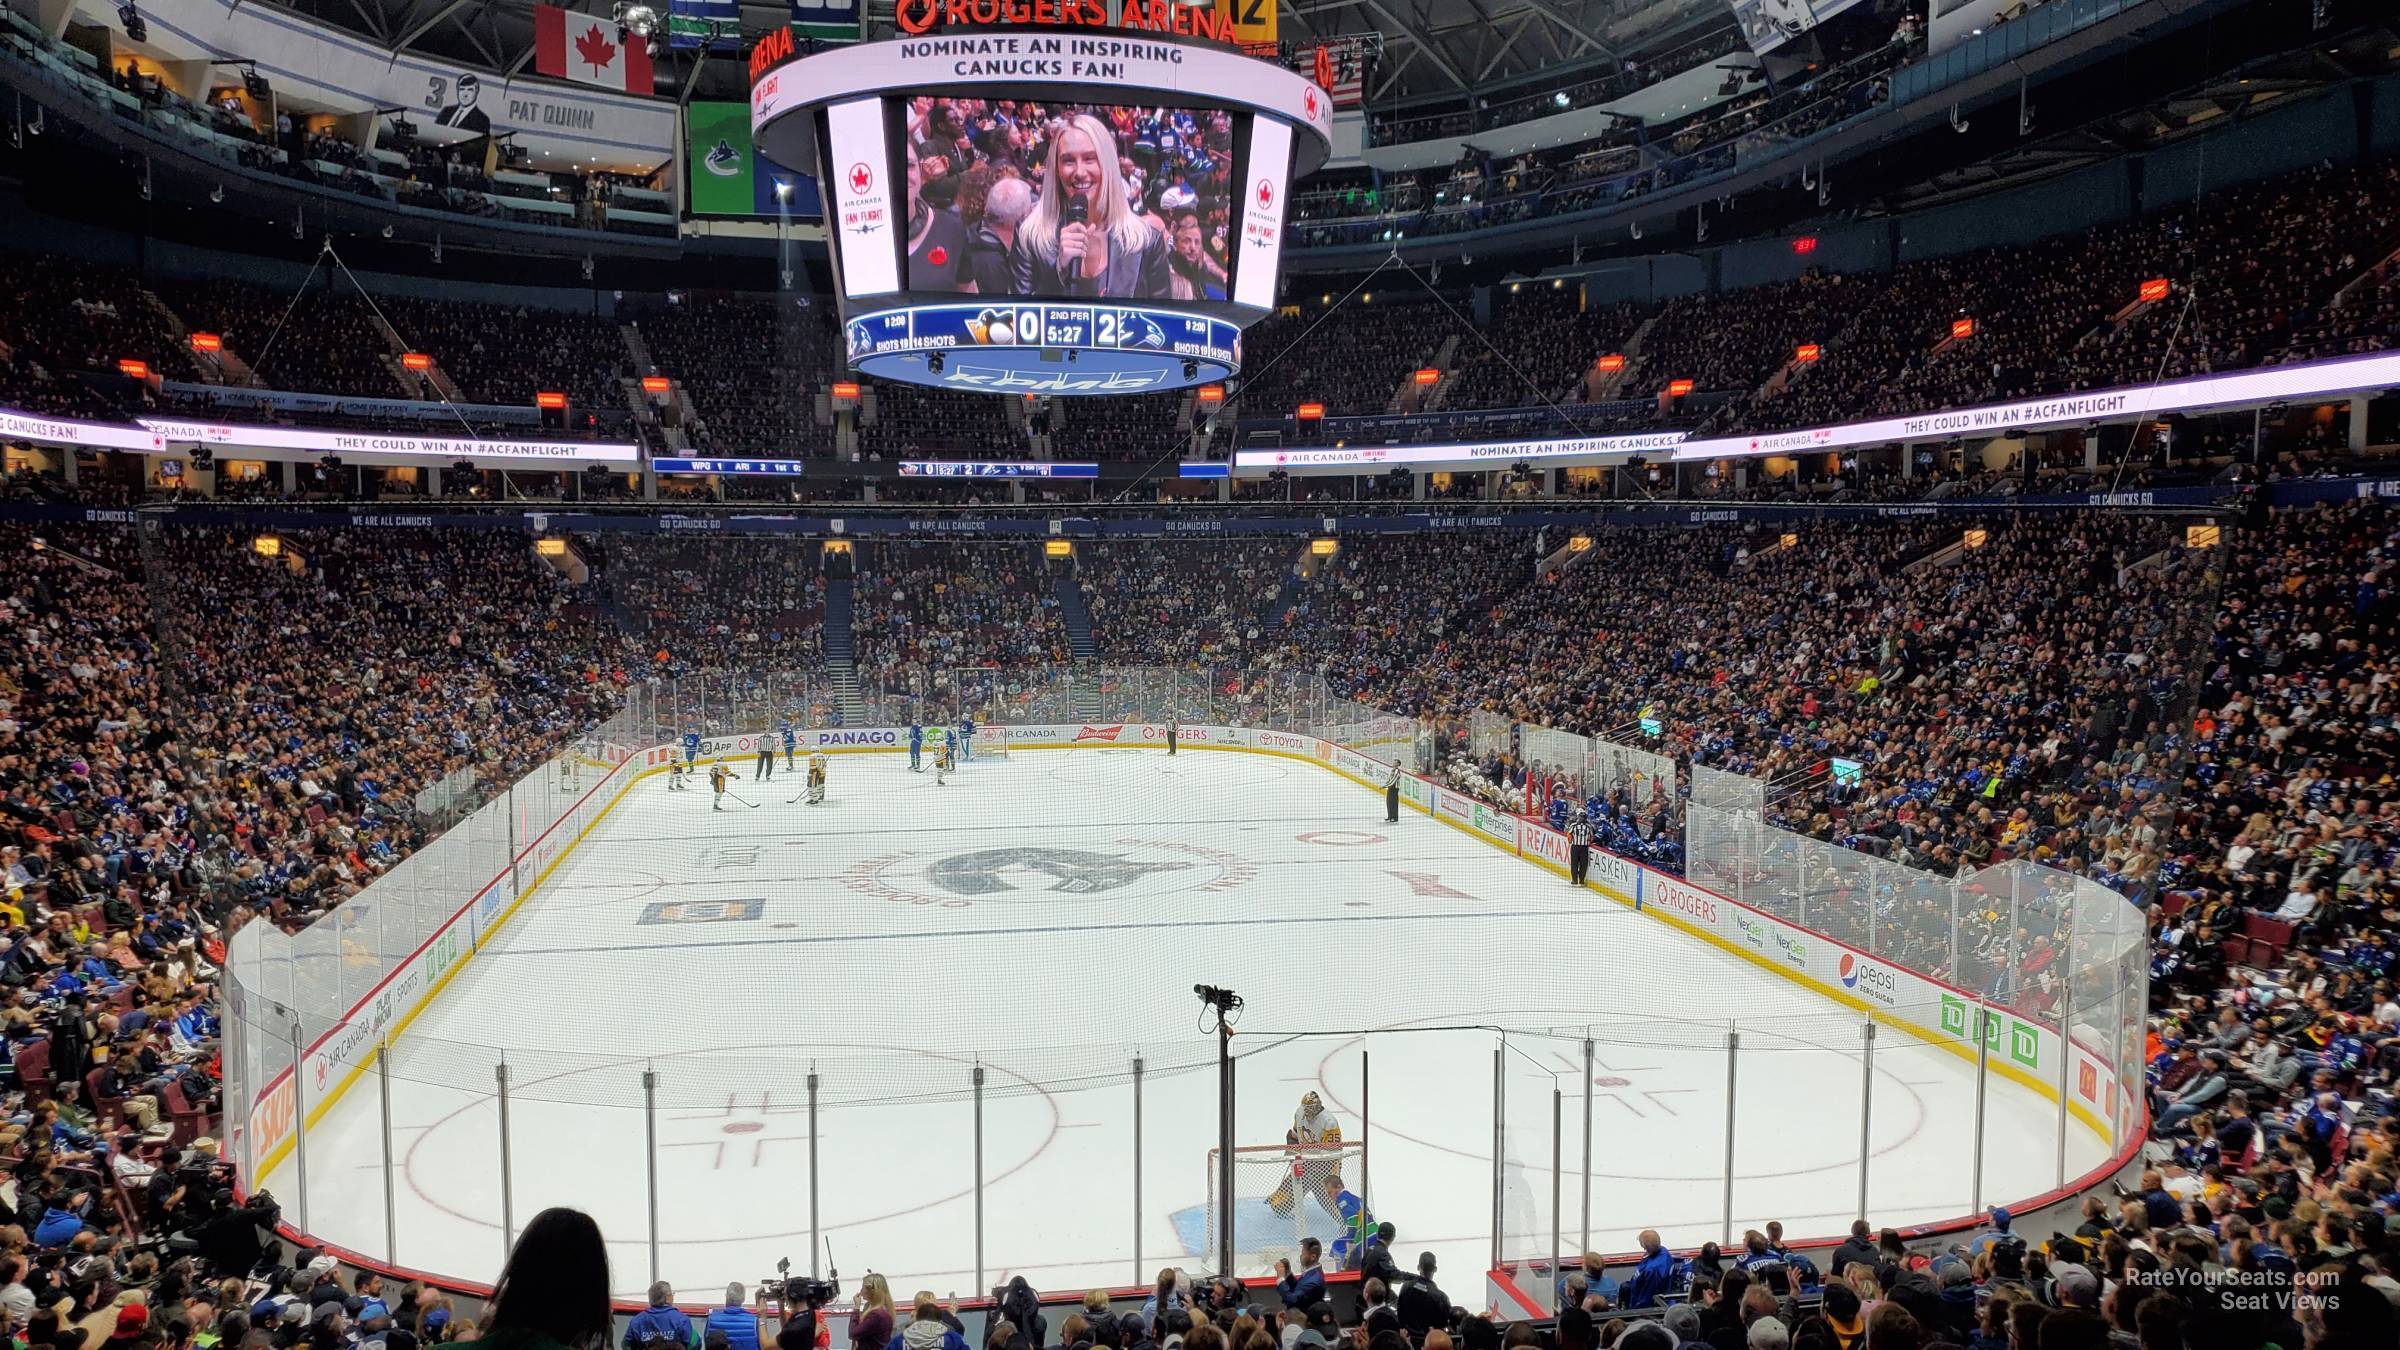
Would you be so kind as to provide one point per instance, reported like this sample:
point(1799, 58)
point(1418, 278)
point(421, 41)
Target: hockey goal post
point(988, 742)
point(1283, 1193)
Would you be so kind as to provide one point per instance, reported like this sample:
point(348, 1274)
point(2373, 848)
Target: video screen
point(1073, 201)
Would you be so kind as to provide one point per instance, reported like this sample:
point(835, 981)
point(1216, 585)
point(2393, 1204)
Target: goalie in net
point(1286, 1193)
point(1316, 1171)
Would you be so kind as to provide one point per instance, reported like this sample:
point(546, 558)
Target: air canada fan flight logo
point(862, 178)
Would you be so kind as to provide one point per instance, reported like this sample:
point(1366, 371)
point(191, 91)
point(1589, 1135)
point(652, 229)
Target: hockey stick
point(743, 800)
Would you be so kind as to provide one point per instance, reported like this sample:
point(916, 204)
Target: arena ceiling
point(1431, 48)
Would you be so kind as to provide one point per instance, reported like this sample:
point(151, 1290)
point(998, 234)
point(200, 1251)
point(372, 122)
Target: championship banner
point(704, 25)
point(1253, 21)
point(826, 20)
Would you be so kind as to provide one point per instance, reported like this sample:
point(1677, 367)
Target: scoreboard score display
point(1060, 203)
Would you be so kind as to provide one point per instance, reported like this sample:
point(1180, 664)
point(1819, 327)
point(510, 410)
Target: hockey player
point(691, 749)
point(966, 737)
point(945, 760)
point(1319, 1175)
point(718, 777)
point(791, 739)
point(675, 776)
point(916, 747)
point(816, 779)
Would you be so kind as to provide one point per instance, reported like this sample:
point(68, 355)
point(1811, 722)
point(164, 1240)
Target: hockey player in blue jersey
point(916, 748)
point(966, 739)
point(791, 738)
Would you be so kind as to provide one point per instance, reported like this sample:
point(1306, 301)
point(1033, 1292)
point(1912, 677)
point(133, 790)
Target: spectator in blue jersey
point(1651, 1279)
point(736, 1322)
point(662, 1325)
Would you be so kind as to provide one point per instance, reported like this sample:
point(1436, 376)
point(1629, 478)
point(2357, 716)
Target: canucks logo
point(723, 160)
point(1069, 870)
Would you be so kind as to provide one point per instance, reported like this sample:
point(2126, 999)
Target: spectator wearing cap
point(2073, 1285)
point(1952, 1311)
point(132, 1321)
point(1997, 1235)
point(736, 1320)
point(1682, 1322)
point(662, 1325)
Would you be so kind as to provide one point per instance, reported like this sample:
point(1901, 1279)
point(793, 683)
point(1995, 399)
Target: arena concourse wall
point(478, 875)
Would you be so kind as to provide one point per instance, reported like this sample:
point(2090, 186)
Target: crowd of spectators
point(1190, 605)
point(731, 406)
point(2025, 697)
point(715, 604)
point(2048, 317)
point(922, 608)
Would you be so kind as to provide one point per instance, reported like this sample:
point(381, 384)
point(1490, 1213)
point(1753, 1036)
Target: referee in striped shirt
point(1579, 847)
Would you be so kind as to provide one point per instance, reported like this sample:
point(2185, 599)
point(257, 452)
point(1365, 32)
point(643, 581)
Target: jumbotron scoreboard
point(1056, 204)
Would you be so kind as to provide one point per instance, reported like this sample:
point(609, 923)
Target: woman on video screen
point(1083, 238)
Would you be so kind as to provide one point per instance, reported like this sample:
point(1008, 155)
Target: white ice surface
point(879, 949)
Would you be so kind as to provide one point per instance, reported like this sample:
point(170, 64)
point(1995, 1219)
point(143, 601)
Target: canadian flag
point(587, 50)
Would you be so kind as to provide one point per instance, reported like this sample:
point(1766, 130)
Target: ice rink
point(1046, 918)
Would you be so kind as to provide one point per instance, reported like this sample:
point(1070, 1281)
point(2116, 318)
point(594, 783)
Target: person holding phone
point(1083, 238)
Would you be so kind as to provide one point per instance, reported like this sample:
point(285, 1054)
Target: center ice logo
point(1068, 870)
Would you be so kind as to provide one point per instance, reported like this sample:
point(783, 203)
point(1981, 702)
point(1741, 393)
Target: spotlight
point(934, 363)
point(387, 231)
point(130, 18)
point(217, 193)
point(639, 20)
point(1191, 370)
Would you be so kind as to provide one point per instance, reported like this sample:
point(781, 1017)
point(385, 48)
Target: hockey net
point(1283, 1193)
point(989, 742)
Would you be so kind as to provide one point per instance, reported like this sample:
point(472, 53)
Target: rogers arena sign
point(1109, 64)
point(1154, 16)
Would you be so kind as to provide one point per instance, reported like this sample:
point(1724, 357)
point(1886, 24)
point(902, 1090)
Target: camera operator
point(799, 1306)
